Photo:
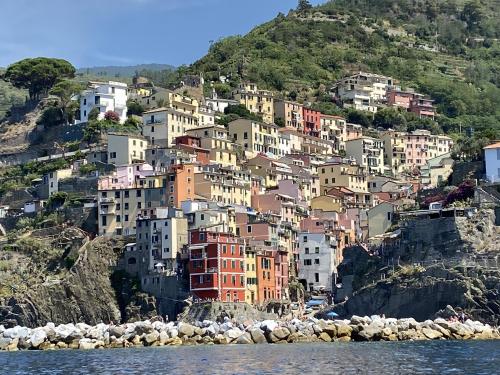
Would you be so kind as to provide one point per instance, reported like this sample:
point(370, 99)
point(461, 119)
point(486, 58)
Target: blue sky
point(126, 32)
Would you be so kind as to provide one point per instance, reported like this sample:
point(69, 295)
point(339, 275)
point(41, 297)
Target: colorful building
point(216, 266)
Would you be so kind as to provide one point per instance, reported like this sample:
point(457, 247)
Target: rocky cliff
point(63, 278)
point(435, 262)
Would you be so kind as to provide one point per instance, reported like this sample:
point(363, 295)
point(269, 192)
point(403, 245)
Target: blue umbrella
point(332, 314)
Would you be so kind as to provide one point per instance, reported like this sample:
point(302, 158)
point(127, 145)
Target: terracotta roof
point(494, 145)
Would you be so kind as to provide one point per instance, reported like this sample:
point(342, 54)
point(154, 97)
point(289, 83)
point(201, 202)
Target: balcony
point(107, 210)
point(107, 200)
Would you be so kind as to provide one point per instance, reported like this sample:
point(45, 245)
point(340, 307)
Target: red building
point(192, 145)
point(216, 266)
point(266, 279)
point(423, 107)
point(312, 122)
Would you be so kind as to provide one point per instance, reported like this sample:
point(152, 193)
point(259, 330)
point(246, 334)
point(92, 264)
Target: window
point(307, 262)
point(126, 206)
point(249, 228)
point(112, 155)
point(126, 193)
point(316, 261)
point(138, 193)
point(305, 238)
point(306, 250)
point(118, 218)
point(316, 277)
point(316, 250)
point(126, 217)
point(117, 194)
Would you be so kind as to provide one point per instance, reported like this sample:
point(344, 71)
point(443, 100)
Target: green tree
point(389, 118)
point(303, 5)
point(67, 91)
point(472, 14)
point(134, 108)
point(38, 75)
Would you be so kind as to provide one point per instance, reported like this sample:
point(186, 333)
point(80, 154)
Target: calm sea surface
point(437, 357)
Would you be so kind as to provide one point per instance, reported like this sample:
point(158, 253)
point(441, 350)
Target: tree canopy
point(39, 74)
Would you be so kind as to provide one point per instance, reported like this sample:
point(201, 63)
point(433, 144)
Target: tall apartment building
point(215, 138)
point(125, 148)
point(394, 150)
point(162, 125)
point(260, 102)
point(312, 122)
point(343, 173)
point(317, 256)
point(368, 153)
point(134, 188)
point(216, 266)
point(333, 129)
point(421, 146)
point(160, 239)
point(105, 96)
point(255, 137)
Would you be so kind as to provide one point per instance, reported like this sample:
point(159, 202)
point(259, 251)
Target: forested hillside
point(447, 49)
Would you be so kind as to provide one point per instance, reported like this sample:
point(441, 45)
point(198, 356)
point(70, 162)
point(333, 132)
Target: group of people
point(461, 318)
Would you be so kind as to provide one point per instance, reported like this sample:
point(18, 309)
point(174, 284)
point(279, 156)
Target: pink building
point(422, 107)
point(353, 131)
point(126, 176)
point(281, 273)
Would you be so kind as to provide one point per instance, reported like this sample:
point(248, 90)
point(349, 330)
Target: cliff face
point(67, 280)
point(442, 261)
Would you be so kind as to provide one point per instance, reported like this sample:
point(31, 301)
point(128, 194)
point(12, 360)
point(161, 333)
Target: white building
point(160, 238)
point(124, 149)
point(106, 96)
point(492, 161)
point(368, 152)
point(317, 254)
point(219, 104)
point(363, 91)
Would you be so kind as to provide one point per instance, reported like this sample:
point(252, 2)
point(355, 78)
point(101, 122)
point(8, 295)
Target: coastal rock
point(258, 336)
point(268, 325)
point(116, 331)
point(331, 330)
point(17, 332)
point(186, 329)
point(281, 333)
point(343, 329)
point(37, 337)
point(143, 328)
point(325, 337)
point(152, 337)
point(86, 344)
point(431, 334)
point(4, 342)
point(163, 337)
point(232, 334)
point(246, 338)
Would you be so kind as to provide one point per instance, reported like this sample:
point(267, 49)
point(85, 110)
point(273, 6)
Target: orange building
point(266, 279)
point(180, 184)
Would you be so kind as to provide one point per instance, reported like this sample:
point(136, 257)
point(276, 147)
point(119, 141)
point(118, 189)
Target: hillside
point(437, 47)
point(9, 96)
point(122, 71)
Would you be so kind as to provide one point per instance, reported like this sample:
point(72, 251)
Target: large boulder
point(17, 332)
point(232, 334)
point(86, 344)
point(343, 330)
point(151, 337)
point(37, 337)
point(4, 342)
point(116, 331)
point(258, 336)
point(245, 338)
point(143, 328)
point(431, 334)
point(268, 325)
point(186, 329)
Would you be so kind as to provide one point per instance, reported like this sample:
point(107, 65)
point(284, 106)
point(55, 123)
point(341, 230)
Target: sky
point(126, 32)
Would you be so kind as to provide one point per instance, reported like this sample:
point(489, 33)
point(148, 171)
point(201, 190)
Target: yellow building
point(251, 291)
point(255, 137)
point(348, 174)
point(260, 102)
point(394, 150)
point(162, 125)
point(327, 203)
point(223, 184)
point(124, 149)
point(215, 139)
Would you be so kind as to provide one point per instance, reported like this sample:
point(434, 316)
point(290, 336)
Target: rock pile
point(156, 333)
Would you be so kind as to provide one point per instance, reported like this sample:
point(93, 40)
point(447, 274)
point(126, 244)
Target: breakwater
point(157, 333)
